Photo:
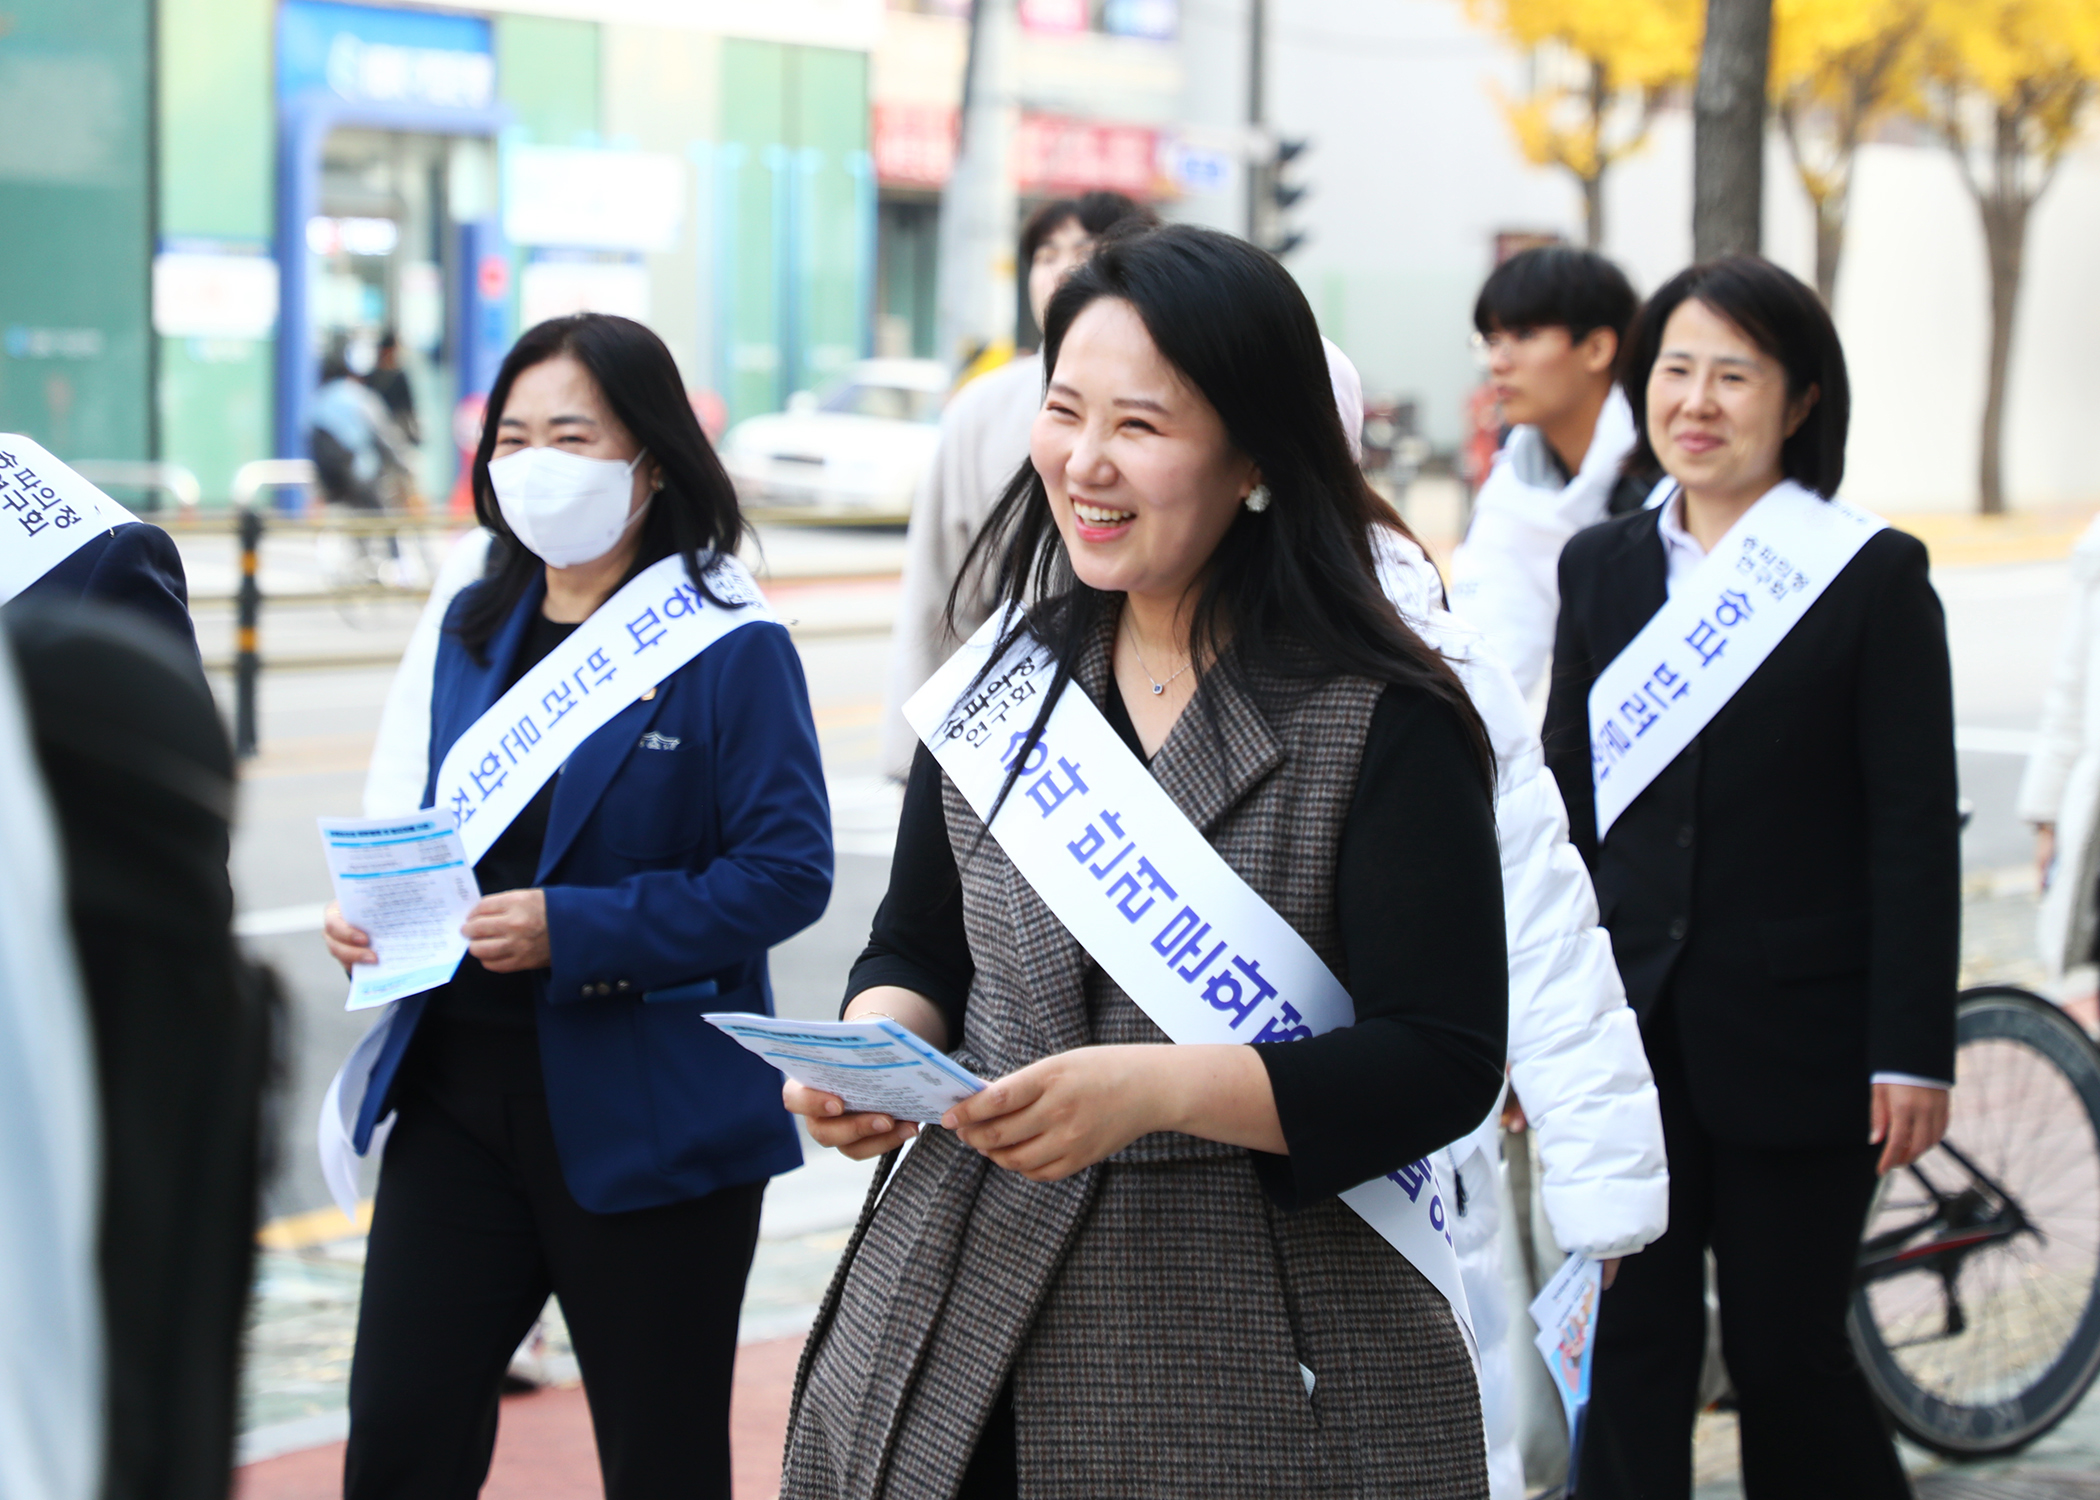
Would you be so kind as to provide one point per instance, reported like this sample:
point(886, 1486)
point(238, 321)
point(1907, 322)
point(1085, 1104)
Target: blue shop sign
point(367, 55)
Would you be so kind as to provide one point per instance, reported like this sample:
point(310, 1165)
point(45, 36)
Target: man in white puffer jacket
point(1575, 1054)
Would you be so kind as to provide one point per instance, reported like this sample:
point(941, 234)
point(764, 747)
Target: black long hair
point(1291, 594)
point(1777, 312)
point(695, 514)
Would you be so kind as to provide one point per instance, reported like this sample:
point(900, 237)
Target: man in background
point(984, 439)
point(1552, 320)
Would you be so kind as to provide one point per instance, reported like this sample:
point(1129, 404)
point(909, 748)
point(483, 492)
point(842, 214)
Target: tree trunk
point(1593, 185)
point(2005, 204)
point(974, 296)
point(1728, 129)
point(1830, 243)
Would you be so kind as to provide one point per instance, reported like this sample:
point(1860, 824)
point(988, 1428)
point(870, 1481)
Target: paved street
point(316, 734)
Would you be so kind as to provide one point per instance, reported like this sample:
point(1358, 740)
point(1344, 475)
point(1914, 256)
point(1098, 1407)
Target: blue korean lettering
point(1285, 1026)
point(463, 808)
point(564, 696)
point(65, 516)
point(1242, 992)
point(1089, 843)
point(1412, 1178)
point(34, 521)
point(490, 767)
point(519, 739)
point(683, 601)
point(1637, 712)
point(1707, 641)
point(1182, 936)
point(1733, 609)
point(1129, 882)
point(646, 629)
point(1038, 753)
point(598, 667)
point(1047, 795)
point(1100, 870)
point(1662, 677)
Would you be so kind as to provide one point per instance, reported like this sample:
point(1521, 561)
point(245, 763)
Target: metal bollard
point(247, 663)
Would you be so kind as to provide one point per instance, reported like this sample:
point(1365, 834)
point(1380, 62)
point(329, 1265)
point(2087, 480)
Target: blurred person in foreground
point(1575, 1054)
point(564, 1119)
point(1552, 320)
point(141, 785)
point(984, 436)
point(1752, 725)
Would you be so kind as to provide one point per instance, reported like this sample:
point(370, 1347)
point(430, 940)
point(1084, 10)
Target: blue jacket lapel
point(591, 770)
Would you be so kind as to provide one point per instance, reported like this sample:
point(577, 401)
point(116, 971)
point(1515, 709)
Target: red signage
point(914, 144)
point(1053, 154)
point(493, 275)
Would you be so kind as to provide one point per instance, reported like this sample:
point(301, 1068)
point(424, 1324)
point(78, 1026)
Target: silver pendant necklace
point(1158, 687)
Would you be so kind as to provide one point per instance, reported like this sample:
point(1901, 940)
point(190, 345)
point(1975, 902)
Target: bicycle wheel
point(1977, 1311)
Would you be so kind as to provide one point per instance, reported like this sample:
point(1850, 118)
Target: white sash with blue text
point(1193, 945)
point(1716, 630)
point(654, 625)
point(47, 513)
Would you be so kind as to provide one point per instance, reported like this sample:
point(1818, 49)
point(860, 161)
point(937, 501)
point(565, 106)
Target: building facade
point(226, 191)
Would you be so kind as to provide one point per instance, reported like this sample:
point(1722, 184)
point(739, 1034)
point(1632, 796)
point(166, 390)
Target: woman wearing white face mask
point(564, 1119)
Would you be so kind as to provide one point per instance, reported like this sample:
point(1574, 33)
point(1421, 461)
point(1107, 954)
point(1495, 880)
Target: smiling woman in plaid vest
point(1125, 1267)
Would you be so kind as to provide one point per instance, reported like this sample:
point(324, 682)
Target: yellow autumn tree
point(2006, 84)
point(1600, 69)
point(1839, 68)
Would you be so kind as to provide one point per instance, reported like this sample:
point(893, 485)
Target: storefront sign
point(598, 200)
point(367, 55)
point(1053, 17)
point(914, 144)
point(205, 289)
point(554, 285)
point(1053, 154)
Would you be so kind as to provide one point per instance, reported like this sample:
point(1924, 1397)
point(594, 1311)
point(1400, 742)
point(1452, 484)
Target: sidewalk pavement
point(306, 1310)
point(544, 1449)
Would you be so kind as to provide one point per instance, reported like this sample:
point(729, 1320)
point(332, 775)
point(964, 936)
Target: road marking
point(1984, 740)
point(320, 1226)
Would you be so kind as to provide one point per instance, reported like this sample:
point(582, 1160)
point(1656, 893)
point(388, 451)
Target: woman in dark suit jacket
point(567, 1121)
point(1784, 904)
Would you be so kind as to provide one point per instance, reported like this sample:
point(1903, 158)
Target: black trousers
point(1784, 1226)
point(472, 1228)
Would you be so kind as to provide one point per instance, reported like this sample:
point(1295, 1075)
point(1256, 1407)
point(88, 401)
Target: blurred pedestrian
point(1124, 1267)
point(2060, 794)
point(1551, 321)
point(357, 451)
point(984, 438)
point(390, 383)
point(1574, 1046)
point(1752, 725)
point(565, 1120)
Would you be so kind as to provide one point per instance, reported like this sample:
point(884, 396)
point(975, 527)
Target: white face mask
point(565, 508)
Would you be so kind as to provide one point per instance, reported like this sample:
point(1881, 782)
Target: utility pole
point(1728, 129)
point(974, 281)
point(1257, 108)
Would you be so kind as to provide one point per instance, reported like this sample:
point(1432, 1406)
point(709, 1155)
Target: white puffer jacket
point(2062, 784)
point(1575, 1054)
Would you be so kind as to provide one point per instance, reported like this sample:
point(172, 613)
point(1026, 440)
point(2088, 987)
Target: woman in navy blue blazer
point(565, 1120)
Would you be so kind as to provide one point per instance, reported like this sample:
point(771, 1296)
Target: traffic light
point(1277, 192)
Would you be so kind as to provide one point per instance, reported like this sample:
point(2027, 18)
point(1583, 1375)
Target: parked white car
point(853, 451)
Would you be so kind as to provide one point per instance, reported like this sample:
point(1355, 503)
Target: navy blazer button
point(622, 985)
point(604, 988)
point(1684, 836)
point(1678, 928)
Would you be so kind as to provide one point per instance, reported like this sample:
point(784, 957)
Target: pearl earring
point(1257, 499)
